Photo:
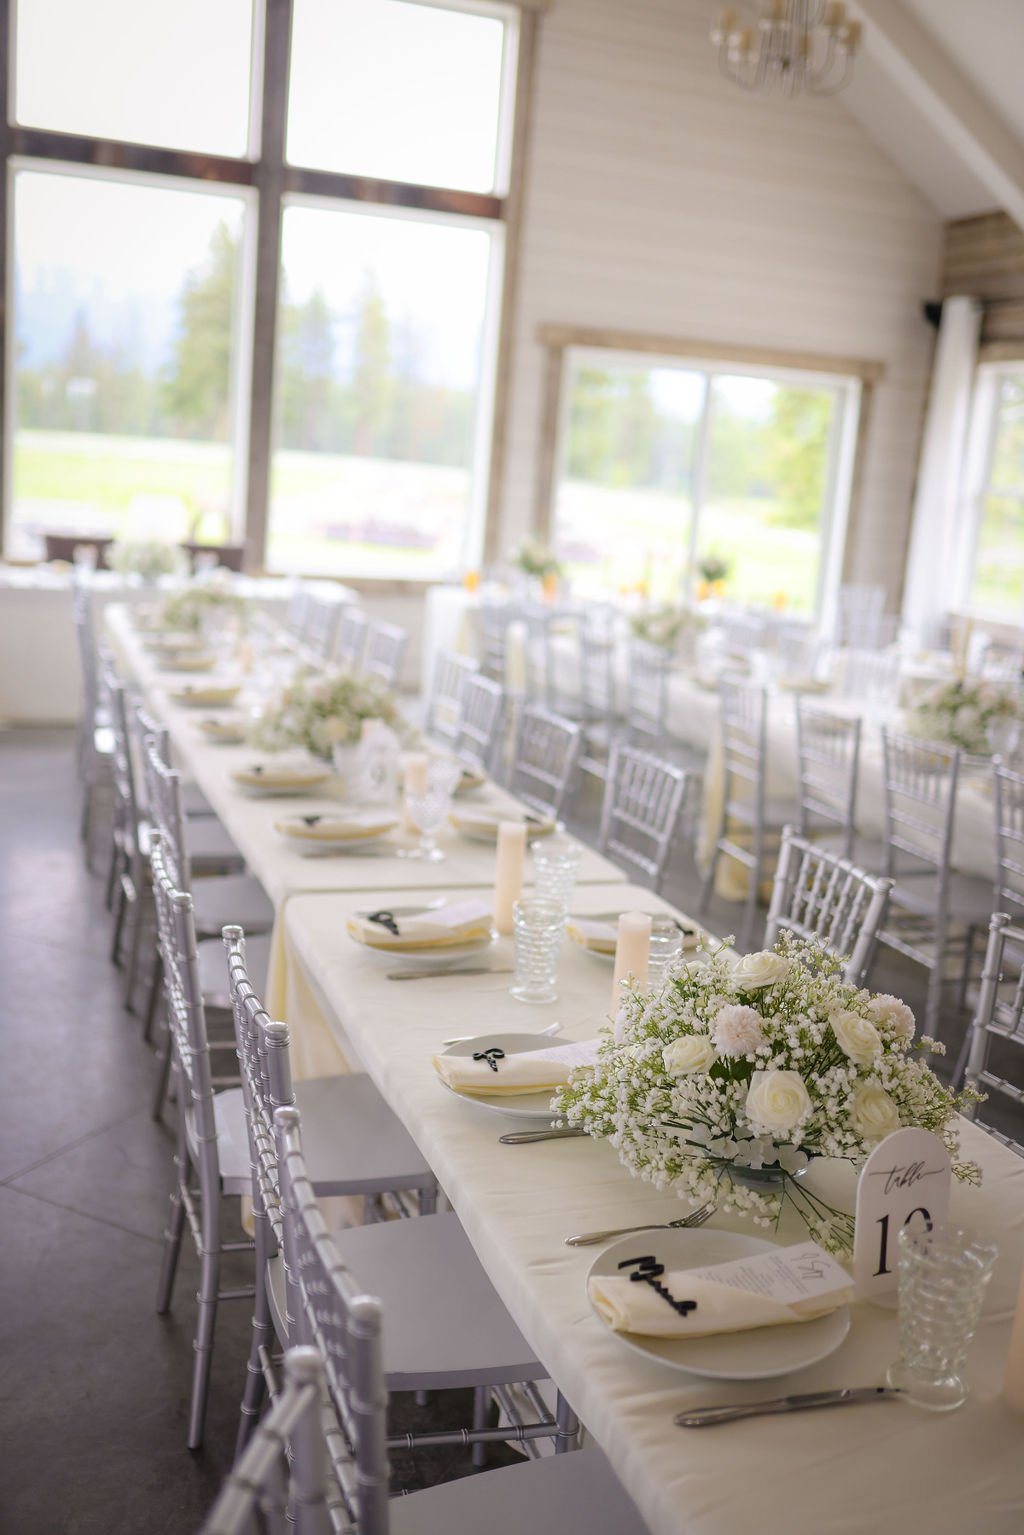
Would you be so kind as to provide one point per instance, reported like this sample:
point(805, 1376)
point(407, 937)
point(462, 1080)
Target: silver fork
point(695, 1218)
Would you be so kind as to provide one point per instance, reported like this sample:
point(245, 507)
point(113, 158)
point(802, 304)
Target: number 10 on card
point(906, 1180)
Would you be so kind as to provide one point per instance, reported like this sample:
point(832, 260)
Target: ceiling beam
point(927, 76)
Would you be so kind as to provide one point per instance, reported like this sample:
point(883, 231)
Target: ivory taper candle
point(508, 872)
point(632, 951)
point(1013, 1384)
point(414, 779)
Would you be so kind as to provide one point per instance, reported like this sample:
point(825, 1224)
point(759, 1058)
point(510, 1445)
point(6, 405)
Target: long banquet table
point(862, 1469)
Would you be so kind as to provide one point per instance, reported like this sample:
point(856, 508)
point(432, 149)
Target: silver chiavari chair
point(481, 722)
point(748, 823)
point(643, 806)
point(447, 693)
point(355, 1146)
point(321, 626)
point(859, 616)
point(297, 616)
point(828, 759)
point(356, 1311)
point(596, 648)
point(544, 761)
point(647, 692)
point(385, 651)
point(999, 1020)
point(495, 618)
point(1009, 820)
point(280, 1485)
point(872, 676)
point(210, 1158)
point(95, 746)
point(932, 907)
point(350, 639)
point(819, 896)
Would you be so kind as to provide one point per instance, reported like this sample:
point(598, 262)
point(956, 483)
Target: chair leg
point(209, 1283)
point(567, 1435)
point(481, 1405)
point(134, 947)
point(113, 871)
point(120, 913)
point(163, 1076)
point(428, 1200)
point(262, 1337)
point(172, 1251)
point(155, 978)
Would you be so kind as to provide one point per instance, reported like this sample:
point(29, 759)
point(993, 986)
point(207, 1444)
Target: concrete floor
point(94, 1386)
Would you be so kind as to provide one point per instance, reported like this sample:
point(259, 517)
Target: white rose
point(893, 1015)
point(858, 1039)
point(764, 968)
point(873, 1112)
point(688, 1053)
point(777, 1101)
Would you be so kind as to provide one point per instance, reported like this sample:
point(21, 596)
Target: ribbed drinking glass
point(556, 862)
point(666, 947)
point(943, 1274)
point(538, 926)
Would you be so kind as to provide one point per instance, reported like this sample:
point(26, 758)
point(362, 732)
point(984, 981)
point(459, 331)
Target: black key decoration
point(311, 820)
point(491, 1056)
point(386, 919)
point(648, 1270)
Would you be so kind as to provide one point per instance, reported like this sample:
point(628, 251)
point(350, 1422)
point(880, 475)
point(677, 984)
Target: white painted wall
point(661, 198)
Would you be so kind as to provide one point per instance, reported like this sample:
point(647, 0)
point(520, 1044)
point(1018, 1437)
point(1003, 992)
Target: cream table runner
point(877, 1468)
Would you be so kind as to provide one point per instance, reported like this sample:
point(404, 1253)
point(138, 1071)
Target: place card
point(906, 1178)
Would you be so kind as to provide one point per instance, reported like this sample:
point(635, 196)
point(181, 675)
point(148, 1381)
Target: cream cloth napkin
point(764, 1290)
point(486, 822)
point(331, 826)
point(533, 1071)
point(281, 774)
point(459, 923)
point(206, 693)
point(602, 935)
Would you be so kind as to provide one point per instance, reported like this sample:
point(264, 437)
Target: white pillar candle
point(414, 778)
point(1013, 1384)
point(508, 872)
point(632, 951)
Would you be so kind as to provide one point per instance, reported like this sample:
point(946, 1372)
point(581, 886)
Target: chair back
point(447, 691)
point(480, 722)
point(819, 896)
point(859, 617)
point(127, 799)
point(164, 807)
point(596, 651)
point(828, 759)
point(62, 546)
point(226, 556)
point(1009, 818)
point(647, 692)
point(385, 651)
point(186, 1019)
point(742, 632)
point(742, 712)
point(920, 783)
point(870, 675)
point(297, 616)
point(321, 627)
point(643, 800)
point(546, 752)
point(279, 1485)
point(350, 639)
point(85, 632)
point(999, 1016)
point(338, 1319)
point(495, 618)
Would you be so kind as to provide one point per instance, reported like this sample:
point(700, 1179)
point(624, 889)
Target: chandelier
point(800, 45)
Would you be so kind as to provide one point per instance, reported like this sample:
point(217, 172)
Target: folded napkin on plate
point(533, 1071)
point(482, 822)
point(281, 774)
point(332, 825)
point(601, 933)
point(462, 922)
point(767, 1289)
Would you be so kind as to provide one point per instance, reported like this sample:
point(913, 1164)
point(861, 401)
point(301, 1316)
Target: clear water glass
point(556, 862)
point(538, 926)
point(429, 811)
point(1003, 737)
point(943, 1274)
point(666, 948)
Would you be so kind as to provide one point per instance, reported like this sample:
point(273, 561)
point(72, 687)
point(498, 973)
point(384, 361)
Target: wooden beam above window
point(559, 337)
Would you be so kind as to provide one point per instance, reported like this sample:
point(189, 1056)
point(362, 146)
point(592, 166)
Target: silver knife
point(527, 1137)
point(427, 975)
point(704, 1417)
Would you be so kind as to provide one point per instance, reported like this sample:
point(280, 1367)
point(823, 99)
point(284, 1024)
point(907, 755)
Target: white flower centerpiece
point(960, 712)
point(147, 558)
point(537, 559)
point(730, 1079)
point(663, 626)
point(325, 710)
point(189, 608)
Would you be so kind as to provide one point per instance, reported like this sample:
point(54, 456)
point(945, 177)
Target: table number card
point(906, 1178)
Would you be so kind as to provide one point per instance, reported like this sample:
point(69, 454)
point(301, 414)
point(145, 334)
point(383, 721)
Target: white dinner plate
point(226, 730)
point(260, 778)
point(482, 825)
point(353, 832)
point(206, 695)
point(757, 1354)
point(437, 957)
point(528, 1105)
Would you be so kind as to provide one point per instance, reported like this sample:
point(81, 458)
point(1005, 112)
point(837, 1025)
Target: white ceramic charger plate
point(535, 1106)
point(761, 1353)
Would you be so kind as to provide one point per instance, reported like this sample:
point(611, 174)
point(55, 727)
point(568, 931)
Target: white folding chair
point(385, 650)
point(999, 1021)
point(819, 896)
point(341, 1313)
point(828, 759)
point(643, 805)
point(544, 760)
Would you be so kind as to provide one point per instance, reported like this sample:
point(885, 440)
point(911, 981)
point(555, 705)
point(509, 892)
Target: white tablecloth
point(873, 1468)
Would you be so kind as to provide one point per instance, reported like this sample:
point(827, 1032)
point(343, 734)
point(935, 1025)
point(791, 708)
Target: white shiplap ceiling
point(982, 42)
